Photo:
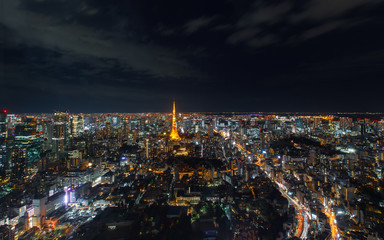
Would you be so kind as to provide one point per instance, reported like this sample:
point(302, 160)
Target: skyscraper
point(174, 135)
point(73, 125)
point(24, 150)
point(126, 128)
point(60, 132)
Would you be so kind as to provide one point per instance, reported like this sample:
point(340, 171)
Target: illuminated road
point(299, 229)
point(332, 222)
point(302, 230)
point(304, 234)
point(303, 213)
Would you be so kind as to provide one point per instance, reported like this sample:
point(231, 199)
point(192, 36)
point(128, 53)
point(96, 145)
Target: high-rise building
point(108, 129)
point(3, 143)
point(147, 148)
point(73, 125)
point(187, 124)
point(19, 161)
point(24, 149)
point(60, 132)
point(363, 130)
point(80, 124)
point(47, 135)
point(126, 128)
point(243, 130)
point(74, 159)
point(115, 121)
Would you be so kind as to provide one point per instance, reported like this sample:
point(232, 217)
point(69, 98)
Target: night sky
point(208, 55)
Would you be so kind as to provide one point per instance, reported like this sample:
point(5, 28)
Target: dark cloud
point(91, 55)
point(323, 9)
point(198, 23)
point(242, 35)
point(262, 41)
point(39, 29)
point(264, 14)
point(327, 27)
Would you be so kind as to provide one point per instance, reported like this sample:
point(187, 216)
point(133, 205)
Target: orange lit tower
point(174, 135)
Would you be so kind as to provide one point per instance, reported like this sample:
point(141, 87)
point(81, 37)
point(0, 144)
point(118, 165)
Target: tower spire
point(174, 135)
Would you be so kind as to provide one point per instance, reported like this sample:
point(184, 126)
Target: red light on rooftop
point(5, 111)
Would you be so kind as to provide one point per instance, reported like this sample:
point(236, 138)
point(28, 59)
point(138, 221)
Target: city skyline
point(191, 175)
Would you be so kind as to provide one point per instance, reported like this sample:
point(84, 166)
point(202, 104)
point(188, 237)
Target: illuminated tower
point(174, 135)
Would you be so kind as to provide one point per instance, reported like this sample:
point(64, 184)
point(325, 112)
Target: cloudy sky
point(216, 55)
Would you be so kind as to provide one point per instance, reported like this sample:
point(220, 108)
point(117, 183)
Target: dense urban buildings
point(191, 176)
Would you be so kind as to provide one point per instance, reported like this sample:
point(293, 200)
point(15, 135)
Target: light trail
point(304, 234)
point(300, 226)
point(303, 213)
point(332, 222)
